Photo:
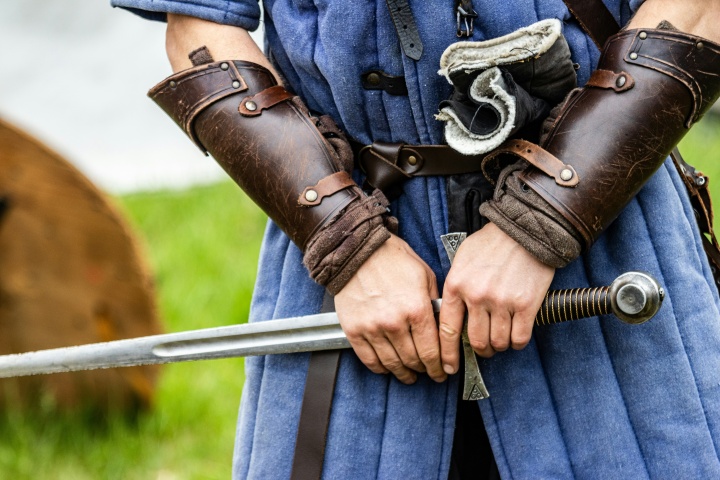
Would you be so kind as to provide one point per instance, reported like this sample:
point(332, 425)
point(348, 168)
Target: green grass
point(202, 245)
point(701, 148)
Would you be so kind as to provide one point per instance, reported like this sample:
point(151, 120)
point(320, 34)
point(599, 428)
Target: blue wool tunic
point(589, 399)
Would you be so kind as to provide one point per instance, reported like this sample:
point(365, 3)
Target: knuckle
point(375, 366)
point(499, 344)
point(391, 326)
point(452, 285)
point(393, 365)
point(479, 344)
point(448, 331)
point(416, 313)
point(429, 356)
point(520, 340)
point(523, 303)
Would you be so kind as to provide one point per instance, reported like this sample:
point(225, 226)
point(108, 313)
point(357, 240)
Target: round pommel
point(635, 297)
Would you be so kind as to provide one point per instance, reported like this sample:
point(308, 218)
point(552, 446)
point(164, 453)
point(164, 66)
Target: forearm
point(185, 34)
point(699, 17)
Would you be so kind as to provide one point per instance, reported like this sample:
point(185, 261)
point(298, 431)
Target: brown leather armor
point(609, 137)
point(293, 165)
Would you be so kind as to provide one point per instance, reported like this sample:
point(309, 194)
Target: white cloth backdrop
point(74, 73)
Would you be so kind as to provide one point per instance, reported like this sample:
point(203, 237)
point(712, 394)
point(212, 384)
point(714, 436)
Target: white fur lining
point(517, 46)
point(489, 87)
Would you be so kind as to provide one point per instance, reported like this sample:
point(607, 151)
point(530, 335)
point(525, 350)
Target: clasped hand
point(386, 313)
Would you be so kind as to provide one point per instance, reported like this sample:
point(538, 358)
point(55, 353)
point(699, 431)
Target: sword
point(633, 297)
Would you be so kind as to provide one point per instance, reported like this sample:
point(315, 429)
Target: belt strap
point(697, 186)
point(315, 410)
point(405, 27)
point(388, 165)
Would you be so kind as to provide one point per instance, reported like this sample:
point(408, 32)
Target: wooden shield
point(70, 273)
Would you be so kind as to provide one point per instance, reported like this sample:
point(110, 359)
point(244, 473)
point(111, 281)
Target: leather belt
point(388, 165)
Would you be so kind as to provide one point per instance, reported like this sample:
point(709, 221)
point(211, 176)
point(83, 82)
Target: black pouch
point(465, 193)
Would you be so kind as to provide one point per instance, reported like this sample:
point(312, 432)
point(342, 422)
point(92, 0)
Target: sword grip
point(634, 297)
point(573, 304)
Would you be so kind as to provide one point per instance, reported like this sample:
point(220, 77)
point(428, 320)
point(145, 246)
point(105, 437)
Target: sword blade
point(634, 297)
point(289, 335)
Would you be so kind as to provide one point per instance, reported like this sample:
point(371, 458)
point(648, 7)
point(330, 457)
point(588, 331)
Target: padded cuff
point(337, 251)
point(529, 220)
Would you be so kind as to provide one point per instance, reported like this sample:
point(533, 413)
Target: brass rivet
point(620, 82)
point(173, 84)
point(412, 160)
point(566, 174)
point(373, 79)
point(236, 84)
point(633, 56)
point(643, 35)
point(224, 66)
point(700, 45)
point(311, 195)
point(250, 105)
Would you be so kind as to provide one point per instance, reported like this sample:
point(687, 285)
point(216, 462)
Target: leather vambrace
point(294, 166)
point(605, 141)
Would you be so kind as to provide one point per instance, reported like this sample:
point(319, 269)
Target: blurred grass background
point(203, 245)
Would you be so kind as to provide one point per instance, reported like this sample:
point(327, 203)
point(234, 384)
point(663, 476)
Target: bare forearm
point(699, 17)
point(185, 34)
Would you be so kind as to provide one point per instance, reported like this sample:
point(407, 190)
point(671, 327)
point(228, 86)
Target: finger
point(452, 314)
point(522, 326)
point(366, 354)
point(402, 342)
point(479, 332)
point(500, 327)
point(391, 360)
point(427, 345)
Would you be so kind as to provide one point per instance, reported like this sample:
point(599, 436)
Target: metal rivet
point(633, 56)
point(700, 45)
point(236, 84)
point(643, 35)
point(700, 181)
point(620, 82)
point(412, 160)
point(224, 66)
point(566, 174)
point(373, 79)
point(250, 105)
point(311, 195)
point(173, 84)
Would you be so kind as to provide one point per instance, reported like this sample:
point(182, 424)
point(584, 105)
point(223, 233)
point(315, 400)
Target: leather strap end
point(620, 82)
point(564, 174)
point(314, 194)
point(254, 105)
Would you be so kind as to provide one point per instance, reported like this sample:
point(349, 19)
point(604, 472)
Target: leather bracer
point(610, 136)
point(293, 165)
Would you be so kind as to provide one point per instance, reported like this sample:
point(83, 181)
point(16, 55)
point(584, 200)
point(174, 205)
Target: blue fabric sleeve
point(238, 13)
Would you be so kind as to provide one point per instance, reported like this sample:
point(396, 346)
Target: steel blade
point(289, 335)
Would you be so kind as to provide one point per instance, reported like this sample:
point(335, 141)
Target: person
point(587, 399)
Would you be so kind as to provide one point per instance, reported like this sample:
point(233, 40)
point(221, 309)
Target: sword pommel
point(635, 297)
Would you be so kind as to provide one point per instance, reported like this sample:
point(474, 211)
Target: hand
point(501, 286)
point(386, 313)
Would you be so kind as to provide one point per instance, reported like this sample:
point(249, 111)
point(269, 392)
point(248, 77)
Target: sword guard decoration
point(474, 386)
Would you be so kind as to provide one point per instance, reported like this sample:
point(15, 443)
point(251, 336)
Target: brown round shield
point(70, 273)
